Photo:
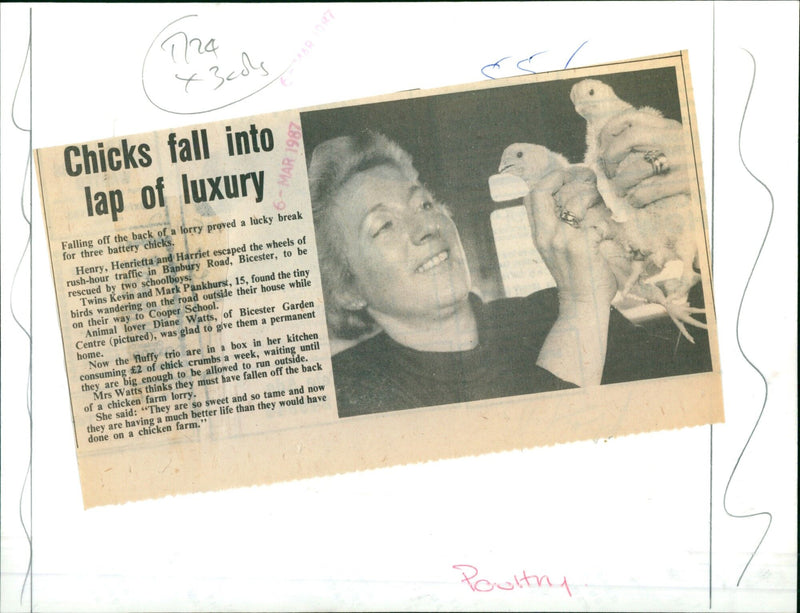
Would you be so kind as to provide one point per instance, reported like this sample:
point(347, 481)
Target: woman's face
point(402, 246)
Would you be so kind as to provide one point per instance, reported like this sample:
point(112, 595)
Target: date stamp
point(291, 145)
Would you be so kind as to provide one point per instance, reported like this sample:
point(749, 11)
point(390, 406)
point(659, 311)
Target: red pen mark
point(294, 136)
point(476, 584)
point(307, 48)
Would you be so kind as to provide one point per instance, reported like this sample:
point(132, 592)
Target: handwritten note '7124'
point(187, 70)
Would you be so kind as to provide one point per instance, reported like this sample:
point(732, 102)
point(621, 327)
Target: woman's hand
point(644, 157)
point(570, 251)
point(575, 348)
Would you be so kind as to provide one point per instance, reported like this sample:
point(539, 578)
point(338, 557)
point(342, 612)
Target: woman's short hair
point(333, 163)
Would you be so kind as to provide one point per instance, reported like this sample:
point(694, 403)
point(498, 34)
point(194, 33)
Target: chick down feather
point(627, 247)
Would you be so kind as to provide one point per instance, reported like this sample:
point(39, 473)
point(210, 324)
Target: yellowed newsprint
point(220, 333)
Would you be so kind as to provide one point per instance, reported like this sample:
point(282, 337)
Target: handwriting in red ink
point(307, 48)
point(293, 137)
point(523, 580)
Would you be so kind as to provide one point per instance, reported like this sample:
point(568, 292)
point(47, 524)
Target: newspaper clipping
point(426, 275)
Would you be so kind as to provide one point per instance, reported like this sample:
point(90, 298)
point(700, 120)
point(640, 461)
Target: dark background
point(457, 139)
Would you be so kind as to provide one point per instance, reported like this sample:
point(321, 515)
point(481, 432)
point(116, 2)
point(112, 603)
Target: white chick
point(658, 232)
point(533, 162)
point(597, 103)
point(530, 162)
point(628, 264)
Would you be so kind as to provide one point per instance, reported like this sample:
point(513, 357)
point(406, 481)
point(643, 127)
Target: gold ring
point(569, 218)
point(658, 161)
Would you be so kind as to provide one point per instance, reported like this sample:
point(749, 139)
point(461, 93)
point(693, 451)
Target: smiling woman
point(395, 278)
point(415, 290)
point(405, 254)
point(391, 258)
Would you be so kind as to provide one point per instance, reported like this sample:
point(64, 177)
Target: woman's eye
point(386, 225)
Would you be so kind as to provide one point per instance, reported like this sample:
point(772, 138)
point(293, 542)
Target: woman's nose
point(424, 226)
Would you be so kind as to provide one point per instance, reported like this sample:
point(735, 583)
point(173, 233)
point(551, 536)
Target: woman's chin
point(443, 300)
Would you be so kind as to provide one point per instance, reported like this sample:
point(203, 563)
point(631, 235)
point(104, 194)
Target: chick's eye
point(591, 92)
point(519, 154)
point(426, 205)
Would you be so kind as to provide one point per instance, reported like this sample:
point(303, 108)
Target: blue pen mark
point(495, 65)
point(767, 514)
point(528, 61)
point(574, 54)
point(495, 69)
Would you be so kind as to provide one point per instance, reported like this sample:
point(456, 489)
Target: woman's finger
point(639, 136)
point(644, 177)
point(579, 173)
point(648, 120)
point(656, 188)
point(577, 195)
point(542, 207)
point(630, 171)
point(575, 199)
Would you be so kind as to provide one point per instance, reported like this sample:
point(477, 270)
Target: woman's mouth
point(440, 257)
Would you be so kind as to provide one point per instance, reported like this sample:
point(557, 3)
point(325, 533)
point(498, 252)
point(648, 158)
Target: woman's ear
point(350, 300)
point(356, 305)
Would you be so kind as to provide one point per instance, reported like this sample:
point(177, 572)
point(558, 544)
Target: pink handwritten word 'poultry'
point(476, 584)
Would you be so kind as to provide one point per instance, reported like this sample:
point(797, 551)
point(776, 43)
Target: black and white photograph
point(510, 240)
